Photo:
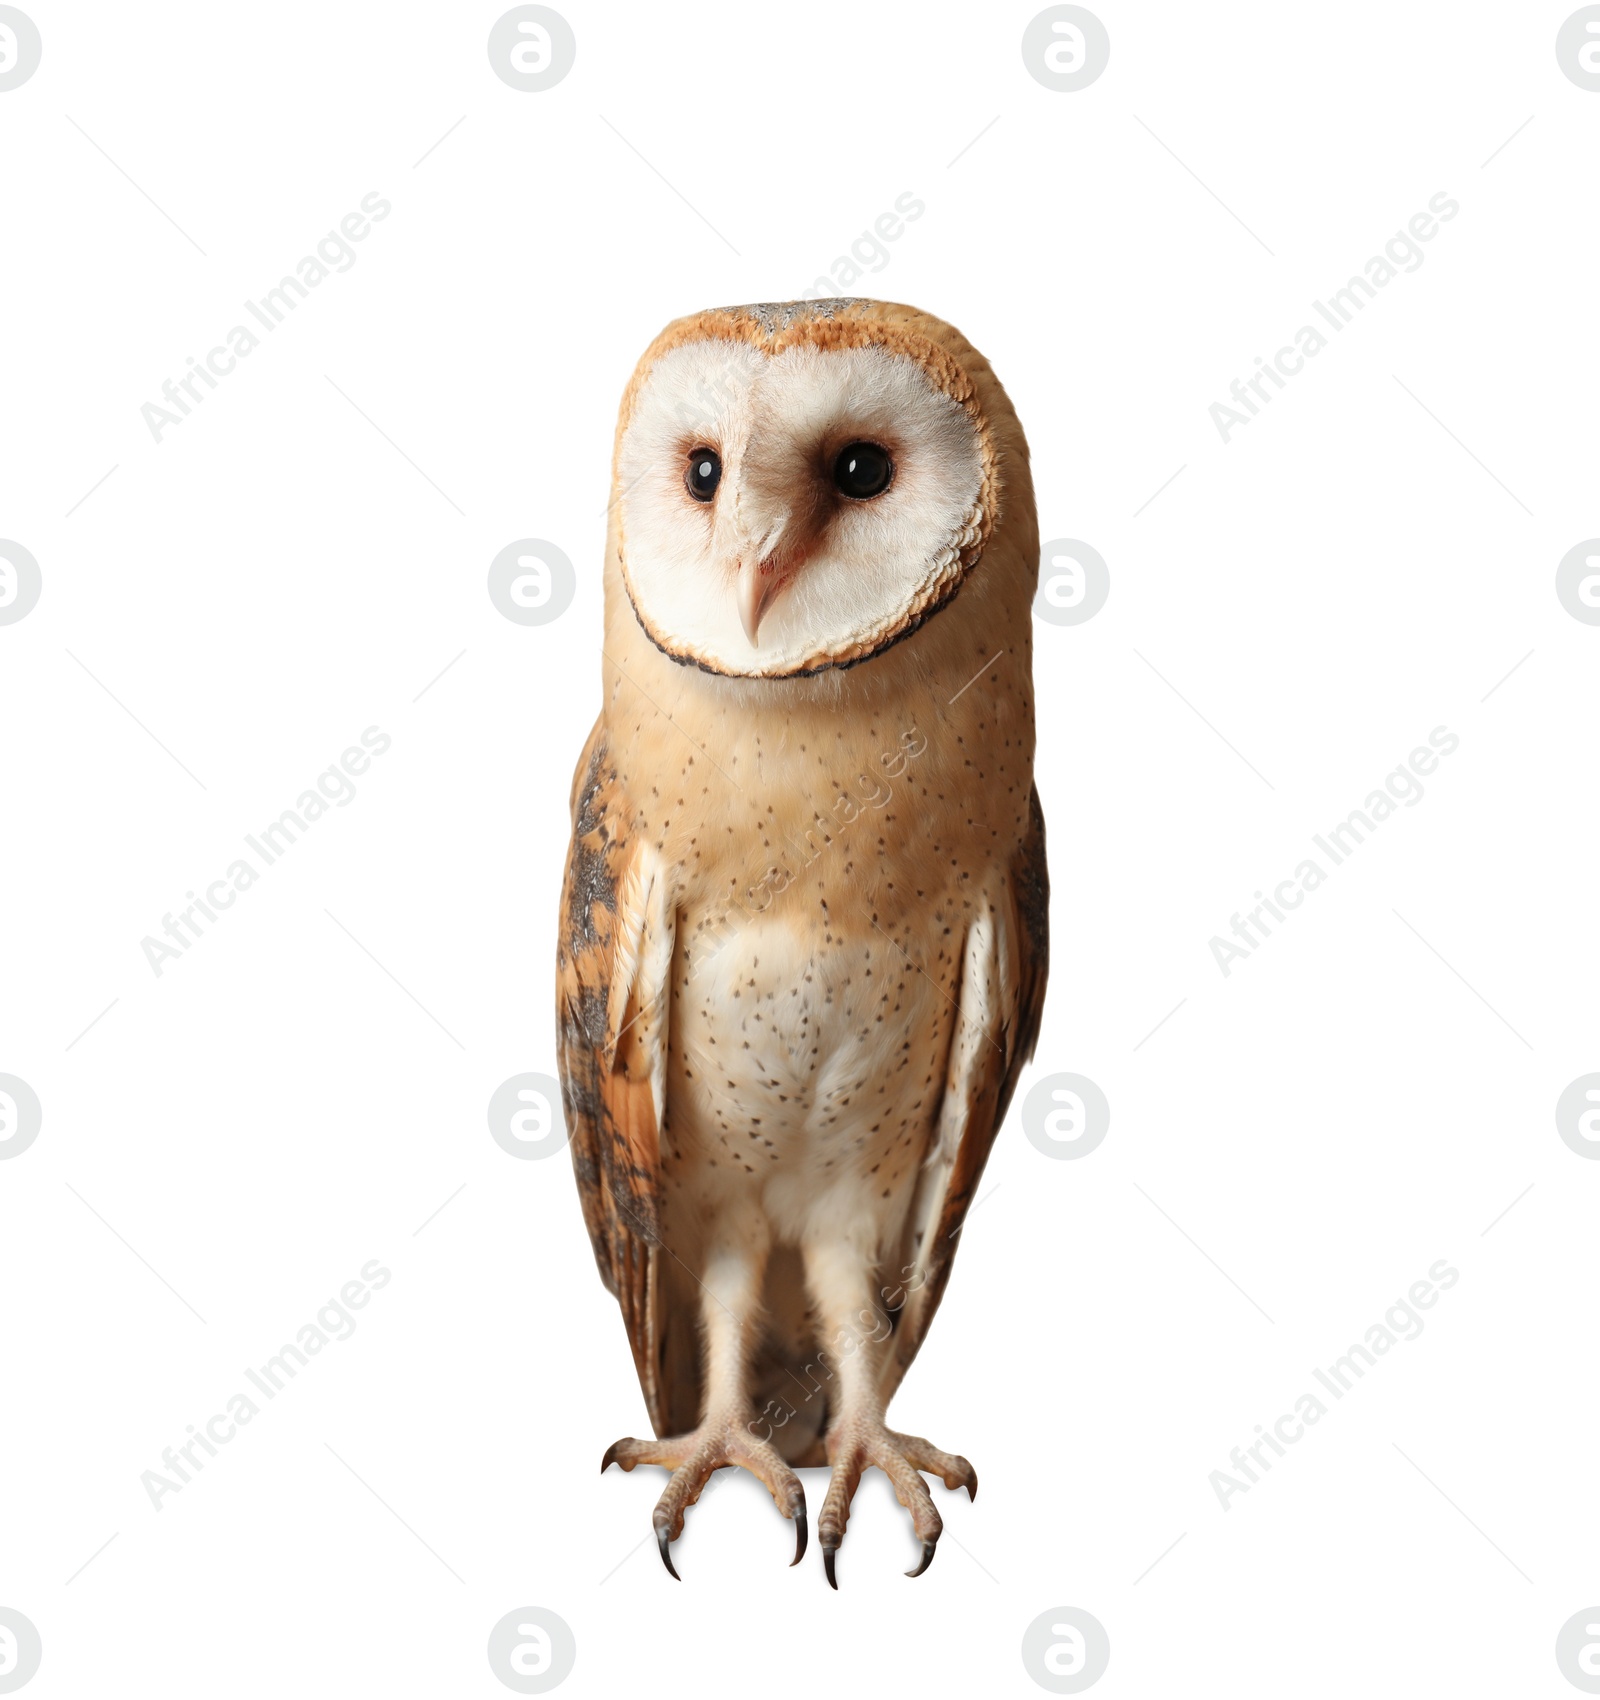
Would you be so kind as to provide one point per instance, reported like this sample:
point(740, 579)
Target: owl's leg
point(729, 1433)
point(854, 1331)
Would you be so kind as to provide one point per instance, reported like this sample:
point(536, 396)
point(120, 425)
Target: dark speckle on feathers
point(1032, 881)
point(589, 877)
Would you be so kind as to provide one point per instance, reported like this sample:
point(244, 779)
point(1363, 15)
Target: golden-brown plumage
point(802, 958)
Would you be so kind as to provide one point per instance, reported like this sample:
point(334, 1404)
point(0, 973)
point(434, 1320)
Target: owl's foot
point(694, 1458)
point(852, 1446)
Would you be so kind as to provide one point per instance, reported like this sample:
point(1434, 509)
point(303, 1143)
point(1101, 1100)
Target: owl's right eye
point(703, 474)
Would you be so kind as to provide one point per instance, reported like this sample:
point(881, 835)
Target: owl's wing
point(1002, 999)
point(613, 980)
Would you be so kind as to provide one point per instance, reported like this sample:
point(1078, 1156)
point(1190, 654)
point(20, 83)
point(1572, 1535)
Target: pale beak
point(755, 588)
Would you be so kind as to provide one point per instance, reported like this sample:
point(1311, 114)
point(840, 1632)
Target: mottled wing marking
point(613, 963)
point(1002, 999)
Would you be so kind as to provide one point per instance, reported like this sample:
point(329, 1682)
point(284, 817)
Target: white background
point(1355, 1102)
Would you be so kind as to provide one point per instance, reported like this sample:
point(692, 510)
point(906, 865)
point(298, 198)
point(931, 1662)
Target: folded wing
point(1002, 999)
point(613, 980)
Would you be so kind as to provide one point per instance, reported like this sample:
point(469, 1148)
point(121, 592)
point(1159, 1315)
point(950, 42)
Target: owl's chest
point(804, 1047)
point(820, 909)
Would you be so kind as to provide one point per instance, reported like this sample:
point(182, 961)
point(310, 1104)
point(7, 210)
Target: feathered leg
point(853, 1331)
point(729, 1432)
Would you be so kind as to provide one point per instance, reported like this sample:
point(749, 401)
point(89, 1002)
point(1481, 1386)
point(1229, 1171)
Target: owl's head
point(799, 486)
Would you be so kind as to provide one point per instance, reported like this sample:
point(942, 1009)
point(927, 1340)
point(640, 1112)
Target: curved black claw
point(801, 1535)
point(928, 1550)
point(609, 1459)
point(827, 1563)
point(662, 1538)
point(972, 1483)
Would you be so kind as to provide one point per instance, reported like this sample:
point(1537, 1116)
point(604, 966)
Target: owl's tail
point(791, 1378)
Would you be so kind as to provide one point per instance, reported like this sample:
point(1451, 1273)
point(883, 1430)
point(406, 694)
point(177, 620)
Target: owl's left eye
point(863, 470)
point(703, 474)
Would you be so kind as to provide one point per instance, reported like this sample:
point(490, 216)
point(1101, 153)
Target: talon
point(928, 1550)
point(827, 1564)
point(692, 1459)
point(972, 1483)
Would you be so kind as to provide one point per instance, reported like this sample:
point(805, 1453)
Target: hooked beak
point(754, 590)
point(756, 584)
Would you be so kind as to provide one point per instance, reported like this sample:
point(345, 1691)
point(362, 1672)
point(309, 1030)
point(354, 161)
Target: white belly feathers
point(796, 1059)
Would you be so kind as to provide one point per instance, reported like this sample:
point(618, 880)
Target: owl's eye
point(863, 470)
point(703, 474)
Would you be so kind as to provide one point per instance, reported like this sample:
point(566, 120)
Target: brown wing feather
point(603, 1038)
point(985, 1087)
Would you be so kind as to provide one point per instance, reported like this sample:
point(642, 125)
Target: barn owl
point(803, 931)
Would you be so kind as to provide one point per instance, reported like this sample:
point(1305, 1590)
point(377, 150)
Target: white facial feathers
point(828, 578)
